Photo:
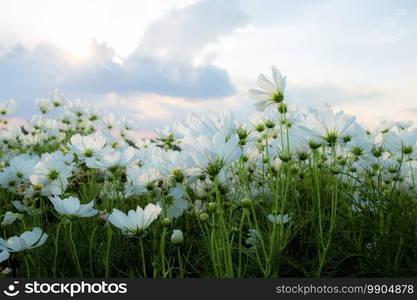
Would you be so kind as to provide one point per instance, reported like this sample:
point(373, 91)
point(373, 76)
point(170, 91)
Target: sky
point(155, 61)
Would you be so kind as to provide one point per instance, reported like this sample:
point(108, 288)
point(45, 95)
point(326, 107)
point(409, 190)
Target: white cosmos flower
point(21, 167)
point(143, 143)
point(135, 221)
point(9, 218)
point(7, 107)
point(403, 125)
point(94, 113)
point(114, 158)
point(71, 207)
point(359, 145)
point(44, 104)
point(254, 238)
point(57, 98)
point(108, 120)
point(278, 219)
point(77, 107)
point(139, 178)
point(177, 236)
point(4, 255)
point(270, 93)
point(88, 146)
point(207, 151)
point(328, 125)
point(51, 173)
point(27, 240)
point(403, 142)
point(170, 161)
point(126, 125)
point(177, 203)
point(24, 209)
point(207, 124)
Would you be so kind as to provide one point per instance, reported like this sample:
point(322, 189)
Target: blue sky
point(156, 61)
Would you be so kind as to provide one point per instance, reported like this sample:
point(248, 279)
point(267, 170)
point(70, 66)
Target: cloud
point(163, 63)
point(332, 94)
point(182, 33)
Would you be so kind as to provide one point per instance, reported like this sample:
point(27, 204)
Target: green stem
point(142, 254)
point(77, 261)
point(56, 248)
point(107, 257)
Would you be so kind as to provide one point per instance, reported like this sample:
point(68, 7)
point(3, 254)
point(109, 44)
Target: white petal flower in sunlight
point(18, 172)
point(214, 153)
point(57, 98)
point(4, 255)
point(330, 126)
point(7, 107)
point(405, 142)
point(175, 204)
point(135, 221)
point(51, 173)
point(88, 146)
point(139, 179)
point(44, 104)
point(403, 125)
point(27, 240)
point(177, 236)
point(278, 219)
point(271, 92)
point(208, 124)
point(113, 158)
point(71, 207)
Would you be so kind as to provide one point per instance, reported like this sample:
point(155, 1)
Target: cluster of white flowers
point(70, 140)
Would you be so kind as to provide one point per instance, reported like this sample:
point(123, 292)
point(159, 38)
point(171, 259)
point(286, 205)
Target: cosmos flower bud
point(170, 198)
point(166, 222)
point(177, 237)
point(204, 217)
point(212, 206)
point(246, 202)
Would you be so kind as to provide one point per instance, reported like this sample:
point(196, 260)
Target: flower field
point(294, 192)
